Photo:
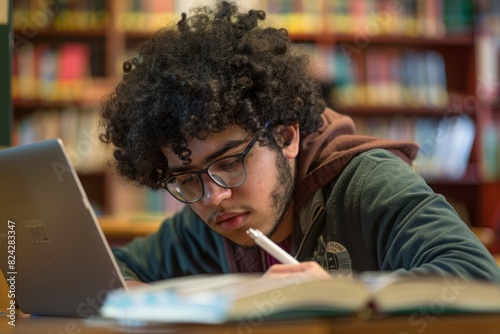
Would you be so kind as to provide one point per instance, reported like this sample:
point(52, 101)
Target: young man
point(225, 116)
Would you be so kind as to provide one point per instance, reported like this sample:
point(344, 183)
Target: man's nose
point(214, 193)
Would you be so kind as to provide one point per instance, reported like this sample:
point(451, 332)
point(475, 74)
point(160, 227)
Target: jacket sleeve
point(184, 245)
point(413, 230)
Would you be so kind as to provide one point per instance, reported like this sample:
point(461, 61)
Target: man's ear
point(290, 138)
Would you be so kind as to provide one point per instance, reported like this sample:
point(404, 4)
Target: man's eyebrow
point(227, 146)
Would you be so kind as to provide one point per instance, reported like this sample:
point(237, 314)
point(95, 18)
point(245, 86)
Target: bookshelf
point(5, 61)
point(368, 54)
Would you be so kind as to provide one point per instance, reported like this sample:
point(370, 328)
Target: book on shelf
point(298, 17)
point(46, 72)
point(73, 70)
point(445, 146)
point(31, 16)
point(455, 139)
point(458, 16)
point(431, 19)
point(129, 200)
point(341, 15)
point(42, 72)
point(445, 142)
point(490, 139)
point(487, 41)
point(385, 77)
point(24, 83)
point(247, 297)
point(147, 16)
point(75, 126)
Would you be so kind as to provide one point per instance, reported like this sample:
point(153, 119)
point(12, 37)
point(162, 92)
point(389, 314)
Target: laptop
point(53, 252)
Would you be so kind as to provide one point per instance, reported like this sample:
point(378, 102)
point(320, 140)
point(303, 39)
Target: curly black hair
point(217, 68)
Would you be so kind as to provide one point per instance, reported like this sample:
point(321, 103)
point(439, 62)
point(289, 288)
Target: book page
point(188, 285)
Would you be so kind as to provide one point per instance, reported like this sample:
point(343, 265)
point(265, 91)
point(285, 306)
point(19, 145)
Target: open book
point(236, 297)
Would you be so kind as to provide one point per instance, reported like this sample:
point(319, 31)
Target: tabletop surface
point(407, 324)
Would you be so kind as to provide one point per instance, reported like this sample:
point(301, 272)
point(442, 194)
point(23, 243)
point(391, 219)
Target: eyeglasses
point(227, 172)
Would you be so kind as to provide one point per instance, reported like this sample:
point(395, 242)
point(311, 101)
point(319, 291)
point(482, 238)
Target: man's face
point(261, 202)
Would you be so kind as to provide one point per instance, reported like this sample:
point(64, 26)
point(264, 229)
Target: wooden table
point(417, 324)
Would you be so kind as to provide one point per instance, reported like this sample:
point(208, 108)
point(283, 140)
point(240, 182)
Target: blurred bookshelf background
point(419, 70)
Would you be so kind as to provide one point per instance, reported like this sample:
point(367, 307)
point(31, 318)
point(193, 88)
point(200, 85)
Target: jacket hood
point(324, 153)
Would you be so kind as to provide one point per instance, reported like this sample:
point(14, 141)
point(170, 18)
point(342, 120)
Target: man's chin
point(241, 242)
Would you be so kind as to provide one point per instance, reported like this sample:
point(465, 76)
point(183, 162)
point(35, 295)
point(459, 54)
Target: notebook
point(53, 252)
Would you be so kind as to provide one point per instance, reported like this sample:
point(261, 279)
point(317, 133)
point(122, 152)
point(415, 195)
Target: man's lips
point(231, 220)
point(224, 216)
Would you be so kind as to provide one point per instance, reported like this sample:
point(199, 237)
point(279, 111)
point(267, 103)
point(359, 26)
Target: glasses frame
point(241, 156)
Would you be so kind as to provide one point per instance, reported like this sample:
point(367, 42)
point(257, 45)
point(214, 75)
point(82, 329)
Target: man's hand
point(305, 270)
point(132, 284)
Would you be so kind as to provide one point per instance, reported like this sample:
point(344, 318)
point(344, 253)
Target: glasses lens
point(228, 172)
point(185, 187)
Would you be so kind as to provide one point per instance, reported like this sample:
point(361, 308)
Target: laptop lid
point(52, 246)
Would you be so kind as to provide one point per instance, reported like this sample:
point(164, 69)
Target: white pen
point(266, 244)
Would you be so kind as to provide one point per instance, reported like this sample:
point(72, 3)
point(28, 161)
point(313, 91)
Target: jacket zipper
point(317, 215)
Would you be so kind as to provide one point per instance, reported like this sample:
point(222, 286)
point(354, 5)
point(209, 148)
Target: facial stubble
point(282, 194)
